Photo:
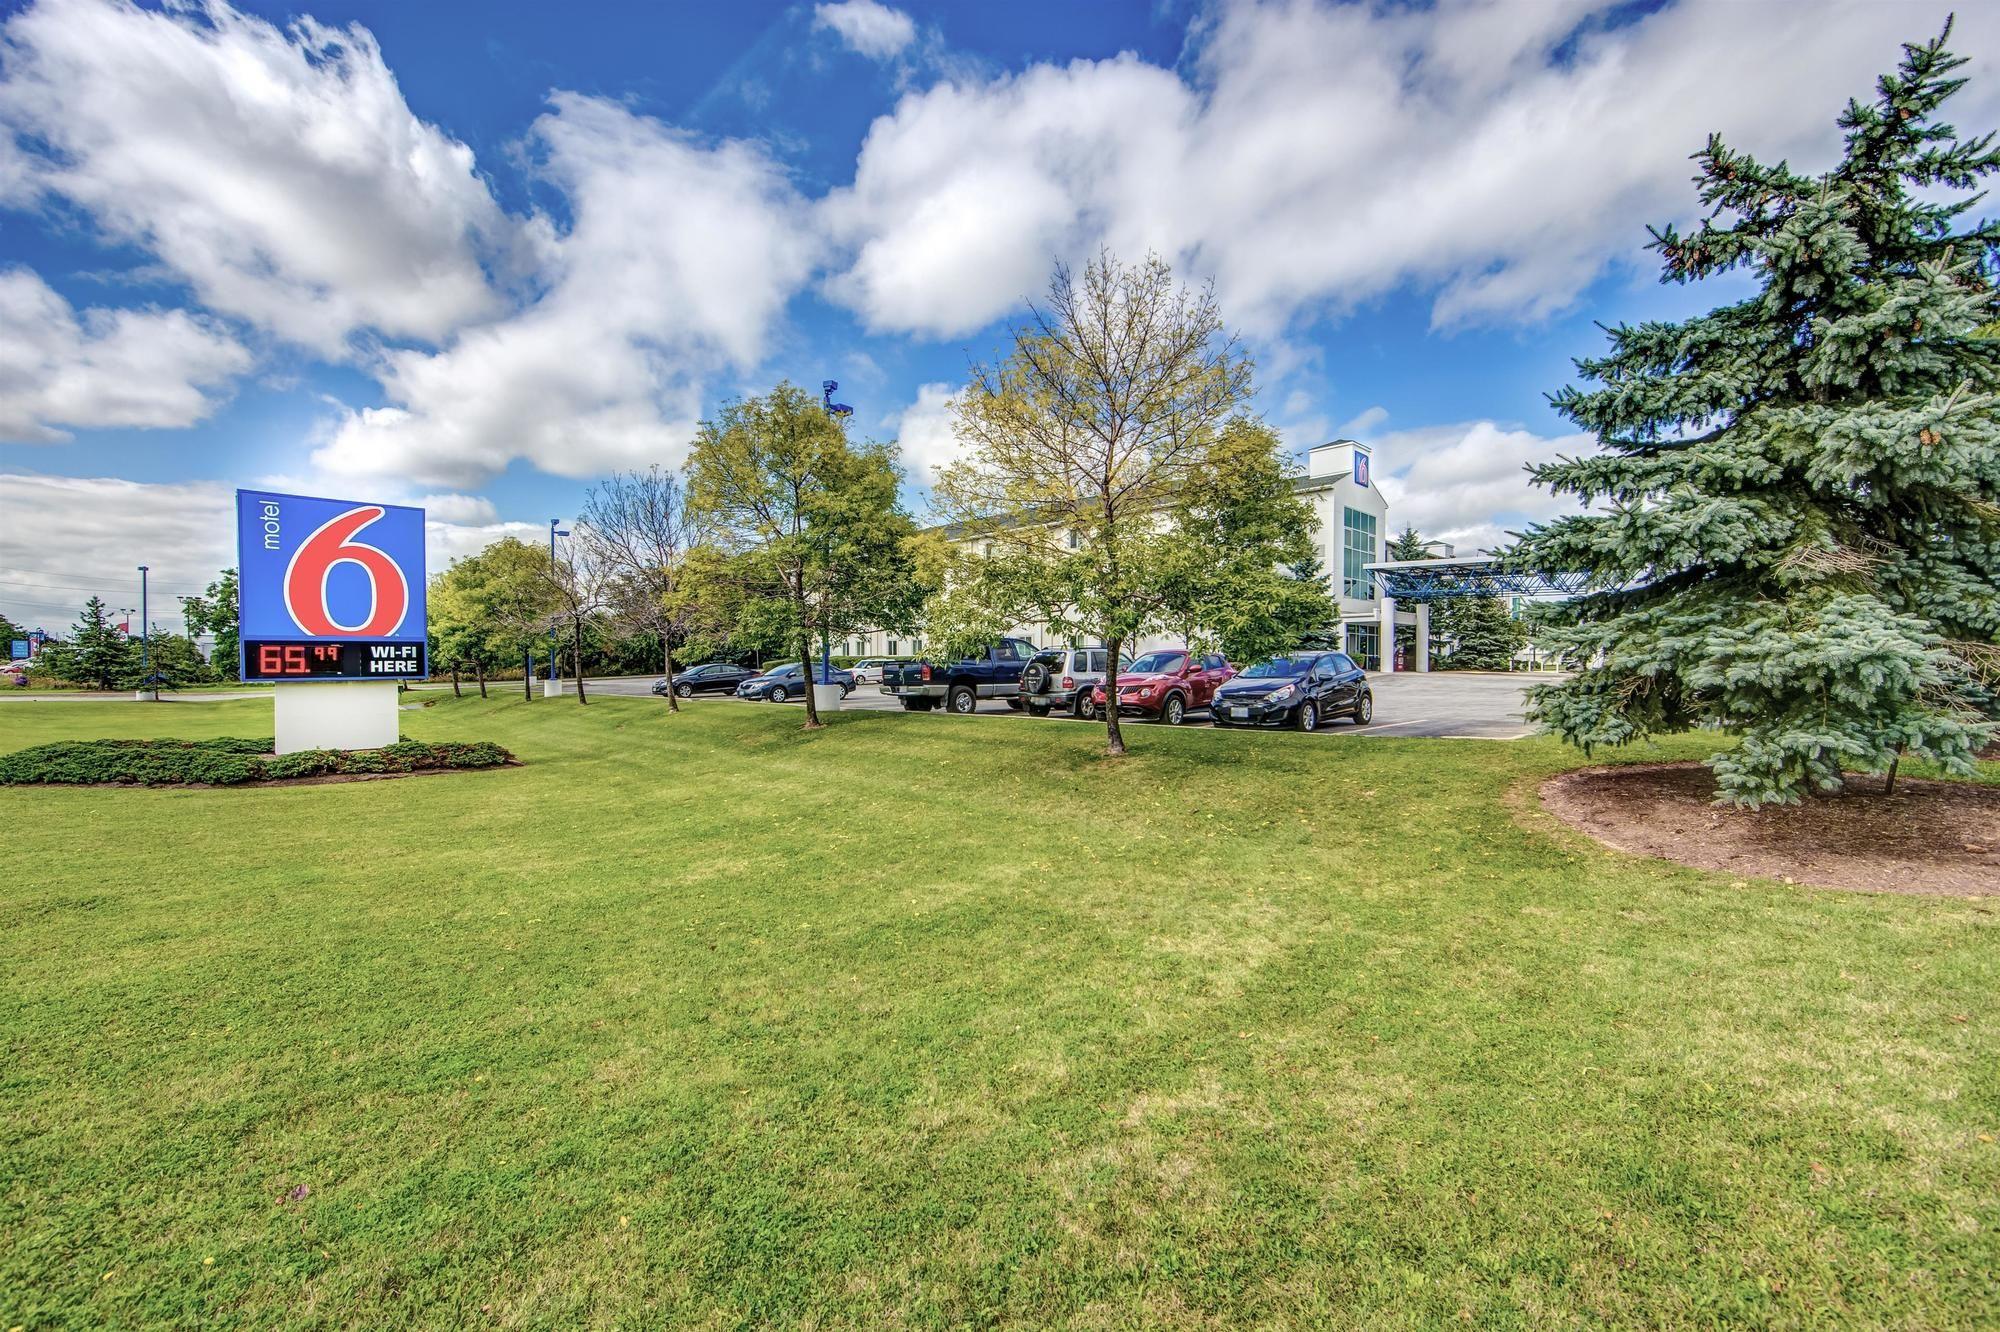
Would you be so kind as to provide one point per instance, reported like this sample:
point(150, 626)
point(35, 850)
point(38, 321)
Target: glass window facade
point(1357, 552)
point(1364, 644)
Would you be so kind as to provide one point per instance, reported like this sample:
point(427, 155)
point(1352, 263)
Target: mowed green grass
point(941, 1022)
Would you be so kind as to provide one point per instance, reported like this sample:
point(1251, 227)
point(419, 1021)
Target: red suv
point(1168, 684)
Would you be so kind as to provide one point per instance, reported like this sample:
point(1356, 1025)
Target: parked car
point(1061, 679)
point(1299, 689)
point(959, 685)
point(781, 684)
point(1167, 685)
point(712, 677)
point(869, 670)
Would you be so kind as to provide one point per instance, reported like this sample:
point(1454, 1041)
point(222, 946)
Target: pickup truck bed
point(959, 685)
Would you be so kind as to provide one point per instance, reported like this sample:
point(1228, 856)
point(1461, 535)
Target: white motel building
point(1352, 520)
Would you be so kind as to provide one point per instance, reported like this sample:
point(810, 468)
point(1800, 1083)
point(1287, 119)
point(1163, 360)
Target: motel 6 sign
point(329, 589)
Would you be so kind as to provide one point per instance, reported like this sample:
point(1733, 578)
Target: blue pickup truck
point(959, 685)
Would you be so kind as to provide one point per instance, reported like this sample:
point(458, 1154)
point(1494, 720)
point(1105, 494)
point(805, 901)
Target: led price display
point(264, 659)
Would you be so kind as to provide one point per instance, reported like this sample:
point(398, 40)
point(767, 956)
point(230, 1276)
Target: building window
point(1364, 644)
point(1357, 552)
point(1075, 540)
point(892, 648)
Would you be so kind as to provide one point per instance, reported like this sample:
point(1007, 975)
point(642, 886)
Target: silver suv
point(1060, 680)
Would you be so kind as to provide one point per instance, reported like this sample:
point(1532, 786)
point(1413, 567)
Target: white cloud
point(869, 28)
point(679, 259)
point(279, 173)
point(103, 368)
point(458, 509)
point(925, 433)
point(1468, 483)
point(63, 538)
point(1499, 156)
point(1358, 426)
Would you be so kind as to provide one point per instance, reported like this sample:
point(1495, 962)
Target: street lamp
point(554, 532)
point(145, 639)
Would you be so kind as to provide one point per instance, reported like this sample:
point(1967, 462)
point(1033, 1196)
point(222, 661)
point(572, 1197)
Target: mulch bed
point(1937, 838)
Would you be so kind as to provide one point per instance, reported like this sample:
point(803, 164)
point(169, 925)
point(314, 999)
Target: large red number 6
point(313, 563)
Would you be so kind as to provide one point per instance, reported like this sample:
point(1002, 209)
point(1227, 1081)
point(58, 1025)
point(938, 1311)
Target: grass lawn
point(946, 1022)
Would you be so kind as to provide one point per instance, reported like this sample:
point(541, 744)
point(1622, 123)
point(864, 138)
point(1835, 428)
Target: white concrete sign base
point(360, 715)
point(552, 689)
point(826, 698)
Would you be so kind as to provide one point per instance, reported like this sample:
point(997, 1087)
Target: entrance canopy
point(1425, 581)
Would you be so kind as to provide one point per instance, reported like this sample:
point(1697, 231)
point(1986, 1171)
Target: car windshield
point(1158, 663)
point(1278, 668)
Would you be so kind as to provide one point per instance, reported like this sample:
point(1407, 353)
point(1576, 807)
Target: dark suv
point(1299, 689)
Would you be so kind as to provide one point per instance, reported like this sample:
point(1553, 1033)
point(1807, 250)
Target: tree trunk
point(576, 656)
point(1889, 787)
point(479, 670)
point(1114, 739)
point(805, 663)
point(667, 664)
point(528, 675)
point(456, 692)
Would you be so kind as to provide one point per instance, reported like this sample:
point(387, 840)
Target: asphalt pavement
point(1457, 705)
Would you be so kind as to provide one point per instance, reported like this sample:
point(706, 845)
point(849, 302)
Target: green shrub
point(229, 761)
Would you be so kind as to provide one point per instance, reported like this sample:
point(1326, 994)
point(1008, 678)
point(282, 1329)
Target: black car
point(714, 677)
point(782, 684)
point(1299, 689)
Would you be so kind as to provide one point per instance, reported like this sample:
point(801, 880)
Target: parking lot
point(1449, 704)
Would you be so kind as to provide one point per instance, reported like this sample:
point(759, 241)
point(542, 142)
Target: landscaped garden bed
point(1928, 837)
point(231, 761)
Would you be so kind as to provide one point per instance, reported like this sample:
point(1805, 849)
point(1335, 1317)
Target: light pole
point(554, 532)
point(145, 640)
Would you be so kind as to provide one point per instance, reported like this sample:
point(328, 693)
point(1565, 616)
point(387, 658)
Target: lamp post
point(554, 532)
point(145, 639)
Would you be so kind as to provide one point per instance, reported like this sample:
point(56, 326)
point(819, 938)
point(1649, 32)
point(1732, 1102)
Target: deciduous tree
point(819, 535)
point(215, 614)
point(641, 531)
point(1114, 420)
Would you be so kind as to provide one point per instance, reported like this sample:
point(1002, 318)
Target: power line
point(52, 585)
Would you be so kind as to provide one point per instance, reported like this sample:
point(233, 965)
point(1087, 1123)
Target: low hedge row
point(228, 761)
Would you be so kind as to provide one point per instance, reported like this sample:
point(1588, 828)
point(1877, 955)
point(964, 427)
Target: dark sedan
point(713, 677)
point(1300, 690)
point(785, 683)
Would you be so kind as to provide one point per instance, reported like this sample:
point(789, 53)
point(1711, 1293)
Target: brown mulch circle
point(1940, 838)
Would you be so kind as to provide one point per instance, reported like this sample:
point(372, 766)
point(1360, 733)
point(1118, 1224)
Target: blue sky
point(477, 255)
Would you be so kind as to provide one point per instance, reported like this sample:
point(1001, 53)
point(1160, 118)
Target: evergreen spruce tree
point(1408, 544)
point(97, 653)
point(1479, 633)
point(1796, 525)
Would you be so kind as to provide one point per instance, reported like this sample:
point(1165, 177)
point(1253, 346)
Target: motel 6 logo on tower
point(329, 589)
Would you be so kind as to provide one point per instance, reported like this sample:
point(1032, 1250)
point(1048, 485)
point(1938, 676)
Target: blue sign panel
point(1360, 467)
point(17, 650)
point(329, 589)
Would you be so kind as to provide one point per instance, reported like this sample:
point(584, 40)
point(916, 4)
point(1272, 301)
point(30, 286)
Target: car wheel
point(1308, 716)
point(1364, 711)
point(1174, 711)
point(779, 694)
point(845, 690)
point(961, 699)
point(916, 705)
point(1084, 708)
point(683, 691)
point(1038, 709)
